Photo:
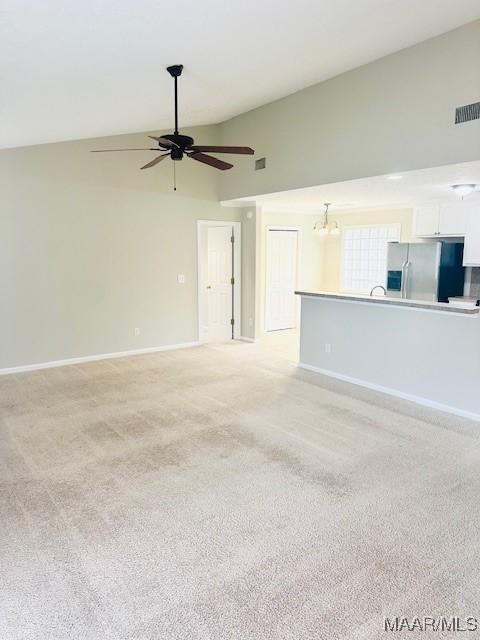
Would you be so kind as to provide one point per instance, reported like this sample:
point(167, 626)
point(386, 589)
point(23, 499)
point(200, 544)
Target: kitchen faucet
point(378, 286)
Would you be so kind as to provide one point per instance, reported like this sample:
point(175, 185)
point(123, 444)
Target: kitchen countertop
point(385, 300)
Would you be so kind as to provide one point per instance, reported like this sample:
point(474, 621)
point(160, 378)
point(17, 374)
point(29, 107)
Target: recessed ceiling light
point(463, 190)
point(394, 176)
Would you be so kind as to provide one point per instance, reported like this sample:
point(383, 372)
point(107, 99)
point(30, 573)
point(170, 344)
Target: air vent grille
point(261, 163)
point(467, 112)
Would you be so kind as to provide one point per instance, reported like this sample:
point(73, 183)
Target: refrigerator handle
point(404, 277)
point(407, 272)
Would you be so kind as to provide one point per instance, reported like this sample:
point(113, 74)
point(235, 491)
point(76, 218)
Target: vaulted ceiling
point(83, 69)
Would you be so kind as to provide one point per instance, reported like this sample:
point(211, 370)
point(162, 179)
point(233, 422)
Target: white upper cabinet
point(452, 219)
point(471, 251)
point(440, 220)
point(426, 220)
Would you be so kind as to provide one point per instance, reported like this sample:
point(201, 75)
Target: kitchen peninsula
point(427, 352)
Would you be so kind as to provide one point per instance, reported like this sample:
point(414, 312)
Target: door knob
point(209, 286)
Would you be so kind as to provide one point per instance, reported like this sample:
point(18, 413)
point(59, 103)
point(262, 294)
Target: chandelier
point(324, 227)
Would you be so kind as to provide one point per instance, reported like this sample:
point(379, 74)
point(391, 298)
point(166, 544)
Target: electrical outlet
point(136, 332)
point(328, 347)
point(181, 278)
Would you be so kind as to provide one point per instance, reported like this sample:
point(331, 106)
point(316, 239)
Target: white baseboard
point(432, 404)
point(245, 339)
point(102, 356)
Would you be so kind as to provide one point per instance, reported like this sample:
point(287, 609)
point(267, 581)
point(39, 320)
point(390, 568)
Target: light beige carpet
point(217, 493)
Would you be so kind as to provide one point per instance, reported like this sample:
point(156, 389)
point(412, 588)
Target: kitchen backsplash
point(475, 283)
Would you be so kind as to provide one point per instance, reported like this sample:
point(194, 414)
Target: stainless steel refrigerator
point(425, 270)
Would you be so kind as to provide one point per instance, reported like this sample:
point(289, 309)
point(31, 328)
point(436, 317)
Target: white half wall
point(429, 357)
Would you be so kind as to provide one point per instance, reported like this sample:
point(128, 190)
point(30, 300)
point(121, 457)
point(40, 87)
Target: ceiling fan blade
point(155, 161)
point(213, 162)
point(242, 150)
point(164, 141)
point(108, 150)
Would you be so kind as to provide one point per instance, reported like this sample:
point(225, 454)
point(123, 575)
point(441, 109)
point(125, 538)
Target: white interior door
point(281, 279)
point(219, 285)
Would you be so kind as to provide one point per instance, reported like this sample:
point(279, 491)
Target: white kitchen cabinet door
point(449, 220)
point(453, 219)
point(471, 251)
point(426, 220)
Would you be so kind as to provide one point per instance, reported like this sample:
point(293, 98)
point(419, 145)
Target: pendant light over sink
point(324, 227)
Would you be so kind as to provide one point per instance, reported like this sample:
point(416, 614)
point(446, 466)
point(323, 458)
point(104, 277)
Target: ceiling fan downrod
point(175, 71)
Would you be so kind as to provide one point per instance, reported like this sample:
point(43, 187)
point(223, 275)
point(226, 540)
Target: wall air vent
point(467, 112)
point(261, 163)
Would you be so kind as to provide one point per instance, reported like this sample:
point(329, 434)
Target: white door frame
point(278, 227)
point(237, 267)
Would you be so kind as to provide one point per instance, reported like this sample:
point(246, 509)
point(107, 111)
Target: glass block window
point(364, 256)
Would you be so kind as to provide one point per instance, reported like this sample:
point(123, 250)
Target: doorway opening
point(219, 280)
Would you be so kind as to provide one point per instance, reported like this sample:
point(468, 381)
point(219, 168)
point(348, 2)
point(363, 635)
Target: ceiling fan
point(177, 146)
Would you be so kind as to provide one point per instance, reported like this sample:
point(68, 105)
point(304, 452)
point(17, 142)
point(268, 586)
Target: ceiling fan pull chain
point(174, 176)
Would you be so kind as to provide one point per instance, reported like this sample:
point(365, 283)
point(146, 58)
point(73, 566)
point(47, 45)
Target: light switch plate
point(181, 278)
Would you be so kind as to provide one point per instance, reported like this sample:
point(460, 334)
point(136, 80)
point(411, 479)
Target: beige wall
point(395, 114)
point(90, 248)
point(332, 245)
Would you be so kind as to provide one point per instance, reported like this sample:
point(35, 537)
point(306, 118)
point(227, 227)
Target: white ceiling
point(77, 69)
point(378, 192)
